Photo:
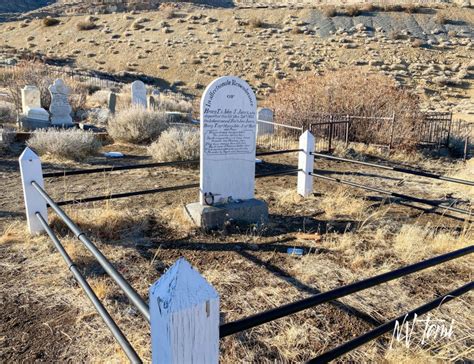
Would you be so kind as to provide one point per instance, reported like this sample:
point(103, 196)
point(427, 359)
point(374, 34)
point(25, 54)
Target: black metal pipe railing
point(146, 165)
point(158, 190)
point(397, 169)
point(101, 310)
point(126, 194)
point(132, 295)
point(389, 326)
point(294, 307)
point(394, 194)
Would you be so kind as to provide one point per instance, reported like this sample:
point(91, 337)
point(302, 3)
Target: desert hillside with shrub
point(428, 50)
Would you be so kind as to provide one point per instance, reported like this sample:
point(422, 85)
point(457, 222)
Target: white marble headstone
point(264, 114)
point(228, 137)
point(30, 98)
point(60, 108)
point(139, 93)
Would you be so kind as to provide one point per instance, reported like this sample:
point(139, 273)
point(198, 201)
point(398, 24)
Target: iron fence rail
point(394, 194)
point(101, 310)
point(397, 169)
point(159, 190)
point(389, 326)
point(132, 295)
point(146, 165)
point(294, 307)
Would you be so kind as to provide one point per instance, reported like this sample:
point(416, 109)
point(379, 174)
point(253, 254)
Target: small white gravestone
point(264, 120)
point(228, 147)
point(184, 313)
point(60, 108)
point(139, 94)
point(30, 98)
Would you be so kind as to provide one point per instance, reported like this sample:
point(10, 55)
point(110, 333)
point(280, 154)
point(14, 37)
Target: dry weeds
point(176, 144)
point(137, 125)
point(342, 203)
point(66, 144)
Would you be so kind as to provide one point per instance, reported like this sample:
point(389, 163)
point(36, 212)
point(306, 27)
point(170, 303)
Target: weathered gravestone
point(112, 102)
point(151, 103)
point(60, 108)
point(30, 98)
point(228, 137)
point(138, 93)
point(33, 116)
point(264, 118)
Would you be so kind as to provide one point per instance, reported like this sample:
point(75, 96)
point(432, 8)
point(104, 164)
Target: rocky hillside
point(429, 52)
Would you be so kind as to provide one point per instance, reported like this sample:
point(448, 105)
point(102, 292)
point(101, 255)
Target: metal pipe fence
point(101, 310)
point(132, 295)
point(412, 171)
point(395, 194)
point(320, 298)
point(389, 326)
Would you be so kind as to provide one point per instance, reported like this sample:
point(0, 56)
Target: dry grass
point(176, 144)
point(137, 125)
point(66, 144)
point(342, 203)
point(304, 101)
point(106, 224)
point(414, 242)
point(287, 198)
point(330, 11)
point(101, 287)
point(177, 218)
point(441, 18)
point(465, 170)
point(174, 102)
point(15, 233)
point(7, 115)
point(86, 25)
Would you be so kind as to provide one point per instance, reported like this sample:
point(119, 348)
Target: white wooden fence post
point(30, 168)
point(184, 310)
point(305, 164)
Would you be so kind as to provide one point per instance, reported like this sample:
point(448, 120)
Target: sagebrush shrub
point(7, 115)
point(176, 144)
point(304, 101)
point(86, 25)
point(137, 125)
point(74, 144)
point(49, 22)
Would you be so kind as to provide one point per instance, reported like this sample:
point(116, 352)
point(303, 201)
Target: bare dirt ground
point(346, 235)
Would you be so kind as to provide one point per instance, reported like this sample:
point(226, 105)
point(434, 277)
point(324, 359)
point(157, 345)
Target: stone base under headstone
point(33, 124)
point(214, 217)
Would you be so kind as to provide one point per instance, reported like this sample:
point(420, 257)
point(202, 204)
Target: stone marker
point(139, 93)
point(60, 109)
point(228, 146)
point(112, 102)
point(264, 114)
point(33, 115)
point(30, 98)
point(151, 102)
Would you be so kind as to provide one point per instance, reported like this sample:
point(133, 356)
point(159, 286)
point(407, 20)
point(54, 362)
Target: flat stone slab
point(246, 212)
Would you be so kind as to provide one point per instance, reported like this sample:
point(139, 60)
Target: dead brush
point(106, 224)
point(329, 11)
point(176, 144)
point(304, 101)
point(256, 23)
point(86, 25)
point(342, 203)
point(137, 125)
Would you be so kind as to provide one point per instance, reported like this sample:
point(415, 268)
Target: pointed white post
point(184, 310)
point(305, 164)
point(30, 168)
